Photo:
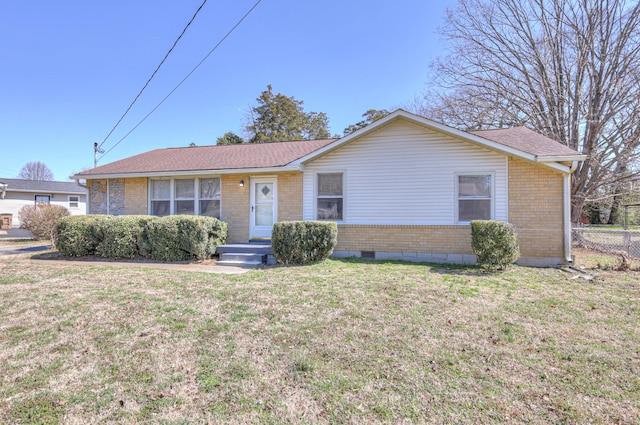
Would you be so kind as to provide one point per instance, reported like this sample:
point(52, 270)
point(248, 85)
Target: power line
point(187, 76)
point(154, 73)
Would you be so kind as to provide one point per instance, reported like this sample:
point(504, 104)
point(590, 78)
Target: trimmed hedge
point(495, 243)
point(120, 236)
point(183, 237)
point(303, 242)
point(80, 235)
point(171, 238)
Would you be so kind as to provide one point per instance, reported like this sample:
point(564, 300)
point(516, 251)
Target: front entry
point(264, 208)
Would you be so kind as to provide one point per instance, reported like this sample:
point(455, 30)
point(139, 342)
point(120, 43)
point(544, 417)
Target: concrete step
point(245, 248)
point(249, 255)
point(242, 264)
point(242, 257)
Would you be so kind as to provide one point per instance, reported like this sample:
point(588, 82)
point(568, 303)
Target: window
point(43, 199)
point(74, 201)
point(160, 197)
point(330, 201)
point(474, 197)
point(185, 197)
point(210, 197)
point(197, 196)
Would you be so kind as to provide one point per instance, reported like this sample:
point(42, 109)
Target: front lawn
point(338, 342)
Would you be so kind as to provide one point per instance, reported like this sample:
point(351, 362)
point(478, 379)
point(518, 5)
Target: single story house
point(403, 187)
point(16, 193)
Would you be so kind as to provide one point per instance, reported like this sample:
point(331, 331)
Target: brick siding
point(136, 195)
point(536, 208)
point(396, 238)
point(235, 206)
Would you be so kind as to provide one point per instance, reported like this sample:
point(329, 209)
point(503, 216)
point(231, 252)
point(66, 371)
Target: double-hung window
point(330, 196)
point(210, 197)
point(74, 201)
point(160, 197)
point(185, 196)
point(475, 197)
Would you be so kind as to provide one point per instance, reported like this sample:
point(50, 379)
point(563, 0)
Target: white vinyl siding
point(404, 174)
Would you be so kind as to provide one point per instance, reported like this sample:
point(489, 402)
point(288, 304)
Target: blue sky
point(69, 69)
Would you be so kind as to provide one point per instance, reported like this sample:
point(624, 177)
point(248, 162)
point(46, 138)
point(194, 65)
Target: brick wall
point(289, 196)
point(235, 206)
point(116, 197)
point(235, 202)
point(136, 196)
point(396, 238)
point(536, 208)
point(97, 196)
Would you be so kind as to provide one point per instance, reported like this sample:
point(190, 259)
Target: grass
point(339, 342)
point(19, 242)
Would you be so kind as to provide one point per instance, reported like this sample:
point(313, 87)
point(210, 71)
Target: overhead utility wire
point(153, 74)
point(185, 78)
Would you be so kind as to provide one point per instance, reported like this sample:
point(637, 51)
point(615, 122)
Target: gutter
point(187, 173)
point(86, 196)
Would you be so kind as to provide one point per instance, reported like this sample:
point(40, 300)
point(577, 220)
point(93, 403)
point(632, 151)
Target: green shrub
point(120, 236)
point(41, 220)
point(80, 235)
point(183, 237)
point(303, 242)
point(495, 243)
point(171, 238)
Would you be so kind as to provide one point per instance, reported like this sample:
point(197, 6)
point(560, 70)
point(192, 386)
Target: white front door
point(263, 206)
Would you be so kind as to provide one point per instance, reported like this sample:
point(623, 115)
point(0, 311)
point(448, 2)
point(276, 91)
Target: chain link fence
point(608, 241)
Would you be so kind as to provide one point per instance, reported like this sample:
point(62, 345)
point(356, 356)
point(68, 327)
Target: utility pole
point(96, 151)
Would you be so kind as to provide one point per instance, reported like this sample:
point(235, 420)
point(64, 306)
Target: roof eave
point(286, 168)
point(561, 158)
point(55, 192)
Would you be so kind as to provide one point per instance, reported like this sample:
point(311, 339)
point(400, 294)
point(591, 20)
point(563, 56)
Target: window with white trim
point(160, 197)
point(185, 196)
point(195, 196)
point(210, 197)
point(74, 201)
point(475, 197)
point(330, 196)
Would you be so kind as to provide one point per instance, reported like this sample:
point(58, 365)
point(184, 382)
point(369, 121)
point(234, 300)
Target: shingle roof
point(20, 185)
point(201, 158)
point(526, 140)
point(280, 154)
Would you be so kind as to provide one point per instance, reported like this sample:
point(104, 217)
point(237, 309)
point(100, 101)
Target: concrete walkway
point(205, 267)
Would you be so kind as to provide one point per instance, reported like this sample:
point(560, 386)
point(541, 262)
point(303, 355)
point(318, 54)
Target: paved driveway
point(24, 249)
point(15, 233)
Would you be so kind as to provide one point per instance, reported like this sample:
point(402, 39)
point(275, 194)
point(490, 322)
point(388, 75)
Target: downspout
point(567, 212)
point(86, 196)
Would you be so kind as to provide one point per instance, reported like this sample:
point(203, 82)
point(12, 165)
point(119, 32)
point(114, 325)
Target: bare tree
point(35, 171)
point(570, 69)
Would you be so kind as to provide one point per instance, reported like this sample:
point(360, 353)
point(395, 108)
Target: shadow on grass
point(437, 268)
point(55, 255)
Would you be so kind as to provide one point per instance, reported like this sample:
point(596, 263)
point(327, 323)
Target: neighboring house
point(16, 193)
point(404, 187)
